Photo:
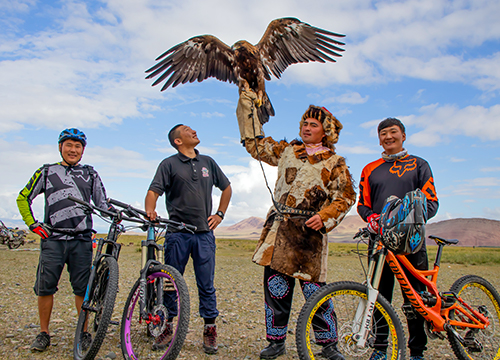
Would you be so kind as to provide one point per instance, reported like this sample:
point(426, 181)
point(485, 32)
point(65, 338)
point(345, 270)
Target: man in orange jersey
point(397, 173)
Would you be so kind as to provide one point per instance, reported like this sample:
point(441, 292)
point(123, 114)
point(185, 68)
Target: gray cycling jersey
point(57, 182)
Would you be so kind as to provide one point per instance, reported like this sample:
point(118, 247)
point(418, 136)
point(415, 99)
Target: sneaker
point(210, 339)
point(417, 357)
point(41, 343)
point(331, 352)
point(378, 355)
point(86, 340)
point(273, 350)
point(162, 341)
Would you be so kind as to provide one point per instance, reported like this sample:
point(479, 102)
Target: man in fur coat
point(312, 195)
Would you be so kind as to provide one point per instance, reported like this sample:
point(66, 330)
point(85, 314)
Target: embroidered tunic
point(320, 183)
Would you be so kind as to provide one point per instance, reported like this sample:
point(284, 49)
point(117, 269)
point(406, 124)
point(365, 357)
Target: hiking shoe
point(331, 352)
point(86, 340)
point(378, 355)
point(162, 341)
point(273, 350)
point(210, 339)
point(41, 343)
point(417, 357)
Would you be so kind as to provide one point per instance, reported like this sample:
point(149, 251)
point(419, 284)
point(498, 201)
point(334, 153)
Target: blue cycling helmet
point(73, 134)
point(402, 222)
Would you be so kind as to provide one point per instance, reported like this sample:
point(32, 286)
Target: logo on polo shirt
point(204, 172)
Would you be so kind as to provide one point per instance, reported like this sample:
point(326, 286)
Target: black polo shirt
point(187, 184)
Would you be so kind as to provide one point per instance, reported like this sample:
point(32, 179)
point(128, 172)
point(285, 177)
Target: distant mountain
point(470, 232)
point(248, 228)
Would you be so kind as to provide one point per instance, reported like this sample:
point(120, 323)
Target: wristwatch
point(220, 214)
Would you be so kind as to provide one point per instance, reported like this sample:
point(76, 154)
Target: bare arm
point(150, 204)
point(215, 220)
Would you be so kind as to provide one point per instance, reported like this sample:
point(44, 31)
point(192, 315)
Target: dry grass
point(240, 301)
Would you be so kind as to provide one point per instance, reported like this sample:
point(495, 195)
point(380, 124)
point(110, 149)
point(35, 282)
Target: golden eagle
point(286, 41)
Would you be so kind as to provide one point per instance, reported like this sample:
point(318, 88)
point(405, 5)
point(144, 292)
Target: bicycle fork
point(148, 259)
point(362, 321)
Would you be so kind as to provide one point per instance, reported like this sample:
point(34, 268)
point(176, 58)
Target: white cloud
point(250, 194)
point(493, 213)
point(474, 121)
point(118, 167)
point(342, 149)
point(353, 98)
point(491, 169)
point(89, 67)
point(476, 188)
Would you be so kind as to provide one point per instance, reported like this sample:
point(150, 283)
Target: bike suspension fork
point(364, 314)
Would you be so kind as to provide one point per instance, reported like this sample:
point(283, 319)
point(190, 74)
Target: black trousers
point(278, 294)
point(417, 338)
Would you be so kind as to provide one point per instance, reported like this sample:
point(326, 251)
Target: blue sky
point(431, 63)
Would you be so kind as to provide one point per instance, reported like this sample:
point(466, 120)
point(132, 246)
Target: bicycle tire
point(479, 294)
point(16, 241)
point(137, 336)
point(345, 297)
point(102, 298)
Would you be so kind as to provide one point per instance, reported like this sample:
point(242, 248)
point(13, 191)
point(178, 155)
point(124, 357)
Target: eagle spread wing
point(289, 41)
point(198, 58)
point(286, 41)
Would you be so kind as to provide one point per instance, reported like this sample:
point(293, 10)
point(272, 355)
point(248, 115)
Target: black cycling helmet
point(73, 134)
point(402, 222)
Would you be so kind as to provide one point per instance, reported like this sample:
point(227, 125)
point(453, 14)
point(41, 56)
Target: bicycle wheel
point(94, 319)
point(482, 296)
point(17, 240)
point(166, 324)
point(315, 323)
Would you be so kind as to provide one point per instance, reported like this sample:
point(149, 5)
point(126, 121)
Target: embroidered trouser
point(278, 295)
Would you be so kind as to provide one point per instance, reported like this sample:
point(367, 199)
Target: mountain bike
point(99, 301)
point(13, 238)
point(468, 315)
point(156, 315)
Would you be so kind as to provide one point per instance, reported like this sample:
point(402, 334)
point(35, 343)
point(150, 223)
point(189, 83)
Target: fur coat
point(320, 183)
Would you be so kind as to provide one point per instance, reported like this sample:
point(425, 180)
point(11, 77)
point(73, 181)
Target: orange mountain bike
point(468, 315)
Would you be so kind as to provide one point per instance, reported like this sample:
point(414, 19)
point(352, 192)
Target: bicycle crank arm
point(469, 343)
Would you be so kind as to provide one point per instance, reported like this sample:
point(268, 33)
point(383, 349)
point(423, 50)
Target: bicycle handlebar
point(130, 211)
point(92, 207)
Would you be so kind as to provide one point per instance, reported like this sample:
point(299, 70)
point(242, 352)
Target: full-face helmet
point(402, 222)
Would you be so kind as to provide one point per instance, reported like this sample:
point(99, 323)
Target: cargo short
point(54, 254)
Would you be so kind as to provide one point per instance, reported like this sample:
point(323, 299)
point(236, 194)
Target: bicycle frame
point(112, 249)
point(149, 248)
point(436, 314)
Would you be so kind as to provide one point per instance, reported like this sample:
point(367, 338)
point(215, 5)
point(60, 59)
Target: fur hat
point(331, 125)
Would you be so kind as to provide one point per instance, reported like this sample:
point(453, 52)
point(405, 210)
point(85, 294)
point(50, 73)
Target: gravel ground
point(240, 301)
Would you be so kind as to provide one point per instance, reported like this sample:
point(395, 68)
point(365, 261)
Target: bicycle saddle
point(440, 240)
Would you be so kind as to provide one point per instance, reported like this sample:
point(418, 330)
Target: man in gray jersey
point(66, 231)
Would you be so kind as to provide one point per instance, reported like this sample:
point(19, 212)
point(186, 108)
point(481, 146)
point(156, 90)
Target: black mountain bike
point(156, 315)
point(99, 300)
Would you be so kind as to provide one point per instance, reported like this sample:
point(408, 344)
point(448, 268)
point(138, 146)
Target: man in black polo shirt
point(187, 179)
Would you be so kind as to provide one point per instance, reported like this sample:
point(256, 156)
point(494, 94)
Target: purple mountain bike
point(156, 314)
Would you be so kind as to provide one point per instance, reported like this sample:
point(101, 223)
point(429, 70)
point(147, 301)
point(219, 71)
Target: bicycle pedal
point(473, 345)
point(408, 311)
point(114, 322)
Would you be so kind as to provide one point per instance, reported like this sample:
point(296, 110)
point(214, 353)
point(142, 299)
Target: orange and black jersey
point(381, 179)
